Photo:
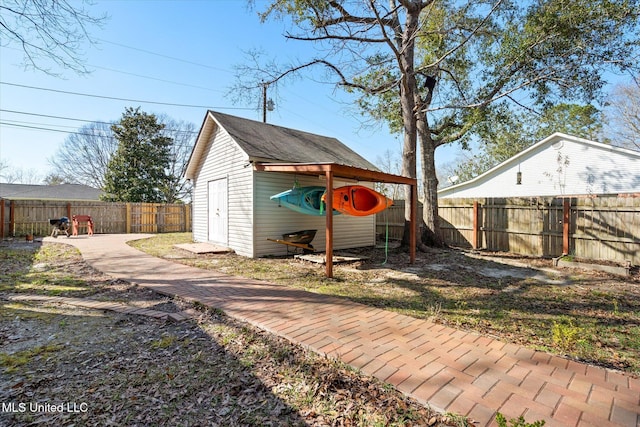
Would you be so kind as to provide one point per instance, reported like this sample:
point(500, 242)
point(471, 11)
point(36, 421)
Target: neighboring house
point(231, 200)
point(49, 192)
point(560, 165)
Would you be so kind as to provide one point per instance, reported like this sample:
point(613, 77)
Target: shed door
point(218, 211)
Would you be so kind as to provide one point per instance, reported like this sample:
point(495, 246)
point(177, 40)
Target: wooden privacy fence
point(22, 217)
point(598, 228)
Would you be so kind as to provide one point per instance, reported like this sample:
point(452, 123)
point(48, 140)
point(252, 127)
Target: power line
point(43, 129)
point(155, 79)
point(24, 126)
point(54, 117)
point(20, 122)
point(137, 101)
point(142, 76)
point(173, 58)
point(78, 120)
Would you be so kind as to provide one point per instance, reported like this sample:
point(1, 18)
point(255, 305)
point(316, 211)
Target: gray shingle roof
point(267, 142)
point(49, 192)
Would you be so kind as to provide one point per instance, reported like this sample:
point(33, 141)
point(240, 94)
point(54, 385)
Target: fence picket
point(600, 228)
point(21, 217)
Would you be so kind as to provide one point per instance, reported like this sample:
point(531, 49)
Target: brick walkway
point(448, 369)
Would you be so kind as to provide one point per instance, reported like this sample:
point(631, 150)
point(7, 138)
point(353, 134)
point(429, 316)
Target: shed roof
point(266, 142)
point(49, 192)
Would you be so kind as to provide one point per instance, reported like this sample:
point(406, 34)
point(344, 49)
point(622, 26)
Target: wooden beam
point(329, 230)
point(413, 227)
point(1, 218)
point(339, 171)
point(334, 170)
point(476, 226)
point(12, 218)
point(566, 213)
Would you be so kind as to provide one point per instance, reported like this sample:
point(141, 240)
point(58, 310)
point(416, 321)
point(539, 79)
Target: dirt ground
point(68, 366)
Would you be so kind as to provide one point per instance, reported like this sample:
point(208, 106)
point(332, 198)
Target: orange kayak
point(357, 200)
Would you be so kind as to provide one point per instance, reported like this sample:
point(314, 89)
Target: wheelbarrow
point(298, 239)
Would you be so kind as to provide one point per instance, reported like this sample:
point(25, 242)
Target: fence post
point(476, 228)
point(12, 218)
point(1, 218)
point(566, 211)
point(128, 217)
point(187, 217)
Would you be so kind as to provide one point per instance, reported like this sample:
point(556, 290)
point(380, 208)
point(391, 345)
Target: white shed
point(231, 199)
point(560, 165)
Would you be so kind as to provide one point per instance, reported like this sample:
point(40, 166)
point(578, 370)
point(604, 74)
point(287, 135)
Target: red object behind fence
point(77, 219)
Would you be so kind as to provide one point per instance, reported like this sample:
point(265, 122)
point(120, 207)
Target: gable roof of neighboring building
point(49, 192)
point(595, 168)
point(270, 143)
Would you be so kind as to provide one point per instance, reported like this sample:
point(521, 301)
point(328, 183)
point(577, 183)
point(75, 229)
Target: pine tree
point(138, 170)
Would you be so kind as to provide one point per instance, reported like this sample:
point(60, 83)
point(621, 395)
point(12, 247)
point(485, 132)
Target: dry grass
point(106, 368)
point(589, 316)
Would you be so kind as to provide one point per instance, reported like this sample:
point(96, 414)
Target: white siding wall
point(224, 159)
point(272, 221)
point(564, 168)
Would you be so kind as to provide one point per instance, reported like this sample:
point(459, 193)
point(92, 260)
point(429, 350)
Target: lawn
point(586, 316)
point(107, 368)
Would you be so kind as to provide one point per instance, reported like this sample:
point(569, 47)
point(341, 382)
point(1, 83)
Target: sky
point(175, 58)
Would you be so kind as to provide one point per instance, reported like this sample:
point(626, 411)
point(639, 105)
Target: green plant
point(164, 342)
point(516, 422)
point(11, 362)
point(565, 334)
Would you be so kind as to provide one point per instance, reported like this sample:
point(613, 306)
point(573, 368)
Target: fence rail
point(598, 228)
point(22, 217)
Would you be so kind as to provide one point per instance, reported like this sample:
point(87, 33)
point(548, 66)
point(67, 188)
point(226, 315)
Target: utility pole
point(266, 104)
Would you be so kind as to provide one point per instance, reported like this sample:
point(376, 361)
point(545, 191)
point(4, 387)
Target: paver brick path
point(448, 369)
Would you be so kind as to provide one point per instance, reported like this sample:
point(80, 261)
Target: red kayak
point(357, 200)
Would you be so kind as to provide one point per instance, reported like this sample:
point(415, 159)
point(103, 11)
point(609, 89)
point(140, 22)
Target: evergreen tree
point(138, 170)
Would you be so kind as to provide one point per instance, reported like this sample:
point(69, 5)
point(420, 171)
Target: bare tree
point(83, 157)
point(391, 162)
point(433, 70)
point(11, 175)
point(48, 30)
point(624, 116)
point(183, 135)
point(4, 167)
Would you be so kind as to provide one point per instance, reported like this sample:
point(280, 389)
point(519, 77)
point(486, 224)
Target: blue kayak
point(305, 200)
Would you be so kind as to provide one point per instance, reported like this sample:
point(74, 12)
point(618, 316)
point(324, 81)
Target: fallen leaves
point(135, 370)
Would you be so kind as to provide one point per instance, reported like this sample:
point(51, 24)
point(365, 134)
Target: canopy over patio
point(335, 170)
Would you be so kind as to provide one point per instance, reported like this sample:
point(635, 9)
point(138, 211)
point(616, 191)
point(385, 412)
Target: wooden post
point(329, 230)
point(476, 229)
point(186, 210)
point(12, 218)
point(566, 213)
point(1, 218)
point(413, 217)
point(69, 210)
point(128, 218)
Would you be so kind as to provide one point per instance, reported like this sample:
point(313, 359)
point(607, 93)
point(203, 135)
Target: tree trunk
point(409, 170)
point(408, 87)
point(431, 235)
